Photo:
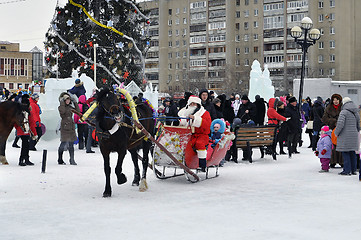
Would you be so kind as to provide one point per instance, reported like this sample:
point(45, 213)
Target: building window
point(320, 18)
point(255, 24)
point(177, 43)
point(320, 45)
point(246, 62)
point(331, 72)
point(246, 25)
point(246, 37)
point(320, 58)
point(11, 85)
point(351, 91)
point(246, 2)
point(332, 30)
point(332, 57)
point(177, 54)
point(237, 26)
point(320, 4)
point(322, 31)
point(184, 54)
point(238, 38)
point(170, 66)
point(170, 44)
point(170, 11)
point(184, 42)
point(331, 17)
point(238, 62)
point(238, 14)
point(246, 50)
point(177, 21)
point(238, 51)
point(332, 3)
point(177, 11)
point(255, 1)
point(320, 71)
point(170, 33)
point(246, 13)
point(255, 36)
point(185, 10)
point(184, 66)
point(238, 2)
point(184, 31)
point(170, 55)
point(256, 12)
point(184, 20)
point(255, 49)
point(332, 44)
point(177, 32)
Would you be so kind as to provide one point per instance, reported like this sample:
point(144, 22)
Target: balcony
point(221, 55)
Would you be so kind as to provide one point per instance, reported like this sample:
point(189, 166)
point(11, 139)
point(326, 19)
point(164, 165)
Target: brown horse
point(10, 113)
point(117, 134)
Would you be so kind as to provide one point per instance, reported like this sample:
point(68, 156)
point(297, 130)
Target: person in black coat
point(171, 111)
point(207, 104)
point(293, 125)
point(218, 107)
point(247, 111)
point(261, 110)
point(317, 114)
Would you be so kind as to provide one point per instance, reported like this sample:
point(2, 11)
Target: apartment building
point(212, 44)
point(19, 68)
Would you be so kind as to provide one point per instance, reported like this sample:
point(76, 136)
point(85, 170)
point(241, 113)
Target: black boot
point(15, 143)
point(60, 157)
point(203, 164)
point(281, 149)
point(21, 162)
point(71, 153)
point(27, 162)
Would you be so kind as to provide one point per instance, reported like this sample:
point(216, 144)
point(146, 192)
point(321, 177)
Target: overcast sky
point(26, 22)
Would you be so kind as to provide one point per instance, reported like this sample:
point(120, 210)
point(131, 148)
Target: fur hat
point(237, 96)
point(65, 97)
point(292, 99)
point(325, 128)
point(337, 96)
point(35, 96)
point(194, 99)
point(346, 100)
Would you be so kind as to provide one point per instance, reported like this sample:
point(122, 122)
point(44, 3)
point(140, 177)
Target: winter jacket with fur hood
point(67, 126)
point(331, 113)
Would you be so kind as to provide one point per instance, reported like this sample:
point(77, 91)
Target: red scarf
point(336, 106)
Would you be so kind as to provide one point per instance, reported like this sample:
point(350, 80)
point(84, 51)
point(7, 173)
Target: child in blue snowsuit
point(218, 126)
point(324, 148)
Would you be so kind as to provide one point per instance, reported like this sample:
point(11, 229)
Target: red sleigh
point(173, 155)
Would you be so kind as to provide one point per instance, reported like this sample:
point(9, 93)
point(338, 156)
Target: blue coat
point(78, 89)
point(325, 143)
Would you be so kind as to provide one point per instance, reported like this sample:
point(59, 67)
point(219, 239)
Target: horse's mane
point(102, 93)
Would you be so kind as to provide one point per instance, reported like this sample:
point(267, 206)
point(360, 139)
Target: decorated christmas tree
point(117, 27)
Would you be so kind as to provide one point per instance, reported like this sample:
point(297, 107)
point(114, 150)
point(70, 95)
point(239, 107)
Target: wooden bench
point(263, 137)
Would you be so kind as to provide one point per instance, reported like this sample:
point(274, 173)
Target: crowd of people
point(336, 118)
point(332, 126)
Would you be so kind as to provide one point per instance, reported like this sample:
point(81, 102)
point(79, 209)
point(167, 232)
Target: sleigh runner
point(173, 155)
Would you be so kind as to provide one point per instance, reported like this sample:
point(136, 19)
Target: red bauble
point(148, 21)
point(104, 81)
point(82, 64)
point(91, 44)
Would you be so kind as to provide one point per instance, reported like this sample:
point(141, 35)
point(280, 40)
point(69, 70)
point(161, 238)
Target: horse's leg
point(2, 152)
point(108, 188)
point(134, 154)
point(118, 169)
point(146, 148)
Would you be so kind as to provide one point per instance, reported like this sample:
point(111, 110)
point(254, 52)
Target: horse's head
point(110, 103)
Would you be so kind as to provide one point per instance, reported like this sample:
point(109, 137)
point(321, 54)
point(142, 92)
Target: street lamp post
point(310, 36)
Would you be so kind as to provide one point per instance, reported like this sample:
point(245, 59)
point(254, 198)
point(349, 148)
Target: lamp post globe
point(314, 34)
point(306, 23)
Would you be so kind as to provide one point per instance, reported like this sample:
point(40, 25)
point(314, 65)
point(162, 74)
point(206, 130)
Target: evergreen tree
point(114, 52)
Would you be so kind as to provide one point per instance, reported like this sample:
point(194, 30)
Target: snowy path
point(284, 199)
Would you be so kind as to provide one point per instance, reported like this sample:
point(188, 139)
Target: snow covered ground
point(283, 199)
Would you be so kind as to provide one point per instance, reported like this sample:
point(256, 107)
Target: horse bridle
point(117, 117)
